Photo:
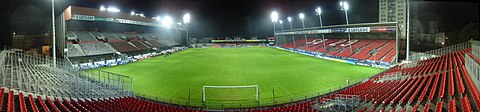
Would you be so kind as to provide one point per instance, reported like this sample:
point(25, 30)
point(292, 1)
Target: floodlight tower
point(301, 15)
point(186, 21)
point(291, 28)
point(54, 55)
point(274, 17)
point(290, 21)
point(344, 5)
point(281, 23)
point(319, 13)
point(284, 40)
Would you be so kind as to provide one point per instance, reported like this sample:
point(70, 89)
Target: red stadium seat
point(32, 103)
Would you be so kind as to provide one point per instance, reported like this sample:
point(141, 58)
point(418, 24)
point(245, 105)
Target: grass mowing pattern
point(290, 75)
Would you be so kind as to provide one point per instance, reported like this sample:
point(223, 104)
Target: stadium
point(82, 59)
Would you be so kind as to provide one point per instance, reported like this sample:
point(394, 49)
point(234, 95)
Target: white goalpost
point(230, 87)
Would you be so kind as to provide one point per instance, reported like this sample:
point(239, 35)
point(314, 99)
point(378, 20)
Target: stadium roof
point(75, 10)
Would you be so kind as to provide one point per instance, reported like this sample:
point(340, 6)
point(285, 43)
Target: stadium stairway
point(364, 51)
point(347, 53)
point(342, 47)
point(331, 43)
point(382, 51)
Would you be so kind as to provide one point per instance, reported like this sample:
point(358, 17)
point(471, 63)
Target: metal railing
point(40, 75)
point(438, 52)
point(476, 48)
point(472, 66)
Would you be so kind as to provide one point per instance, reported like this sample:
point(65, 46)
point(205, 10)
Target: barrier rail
point(439, 52)
point(40, 75)
point(472, 63)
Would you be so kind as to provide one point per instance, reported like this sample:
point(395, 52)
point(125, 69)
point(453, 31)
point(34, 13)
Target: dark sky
point(243, 17)
point(252, 17)
point(451, 15)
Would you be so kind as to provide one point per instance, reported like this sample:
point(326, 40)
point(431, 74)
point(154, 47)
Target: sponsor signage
point(84, 17)
point(115, 20)
point(259, 40)
point(341, 30)
point(357, 29)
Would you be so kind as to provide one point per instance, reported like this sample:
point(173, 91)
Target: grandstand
point(445, 79)
point(89, 42)
point(372, 43)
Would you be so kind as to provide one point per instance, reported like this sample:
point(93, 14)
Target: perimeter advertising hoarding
point(214, 41)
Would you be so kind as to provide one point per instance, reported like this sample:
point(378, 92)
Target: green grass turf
point(291, 76)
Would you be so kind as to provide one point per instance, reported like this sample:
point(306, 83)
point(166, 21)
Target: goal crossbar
point(225, 87)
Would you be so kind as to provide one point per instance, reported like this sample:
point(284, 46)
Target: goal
point(230, 87)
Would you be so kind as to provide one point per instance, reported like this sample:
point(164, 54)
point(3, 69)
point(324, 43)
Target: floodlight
point(112, 9)
point(186, 18)
point(167, 21)
point(274, 16)
point(301, 15)
point(318, 10)
point(344, 5)
point(102, 8)
point(281, 22)
point(157, 18)
point(132, 13)
point(178, 23)
point(289, 19)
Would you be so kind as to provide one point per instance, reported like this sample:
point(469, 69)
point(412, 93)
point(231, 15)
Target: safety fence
point(41, 75)
point(472, 63)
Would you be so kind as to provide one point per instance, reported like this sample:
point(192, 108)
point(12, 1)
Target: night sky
point(219, 18)
point(243, 17)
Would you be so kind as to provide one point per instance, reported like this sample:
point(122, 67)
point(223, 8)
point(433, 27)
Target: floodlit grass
point(291, 76)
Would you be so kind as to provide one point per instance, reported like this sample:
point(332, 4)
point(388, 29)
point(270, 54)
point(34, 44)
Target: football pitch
point(281, 76)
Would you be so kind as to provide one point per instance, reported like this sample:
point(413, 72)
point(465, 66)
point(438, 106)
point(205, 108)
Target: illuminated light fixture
point(167, 21)
point(281, 22)
point(157, 18)
point(112, 9)
point(289, 19)
point(301, 15)
point(102, 8)
point(274, 16)
point(179, 23)
point(132, 13)
point(344, 5)
point(186, 18)
point(318, 10)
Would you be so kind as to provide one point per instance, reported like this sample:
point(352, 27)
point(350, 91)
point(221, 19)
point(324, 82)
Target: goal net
point(230, 92)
